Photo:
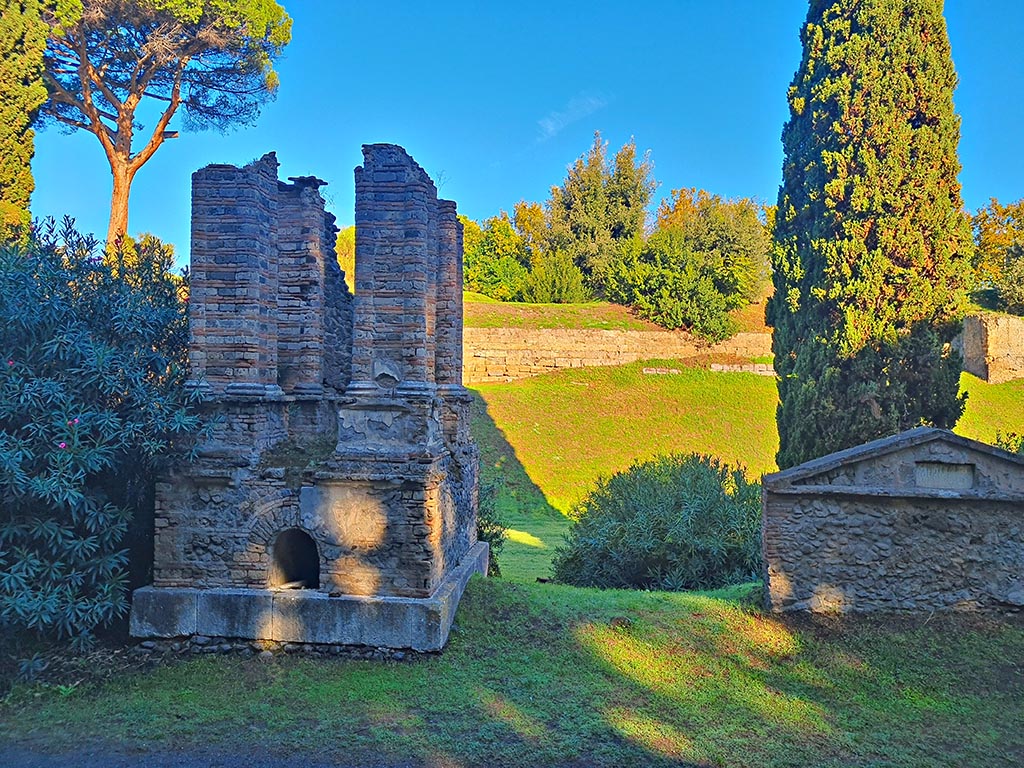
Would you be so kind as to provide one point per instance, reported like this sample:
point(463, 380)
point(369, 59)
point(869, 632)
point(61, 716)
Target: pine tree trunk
point(118, 227)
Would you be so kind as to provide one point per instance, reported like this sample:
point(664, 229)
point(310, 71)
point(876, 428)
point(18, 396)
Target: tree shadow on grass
point(559, 676)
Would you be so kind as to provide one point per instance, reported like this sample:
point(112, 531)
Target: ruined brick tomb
point(920, 521)
point(335, 500)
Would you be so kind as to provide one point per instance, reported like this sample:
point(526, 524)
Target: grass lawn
point(542, 674)
point(596, 314)
point(549, 675)
point(482, 311)
point(548, 438)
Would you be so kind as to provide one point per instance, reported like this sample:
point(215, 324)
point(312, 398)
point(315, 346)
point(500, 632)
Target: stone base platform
point(307, 616)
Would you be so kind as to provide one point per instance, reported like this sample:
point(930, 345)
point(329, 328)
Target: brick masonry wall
point(342, 418)
point(504, 354)
point(993, 347)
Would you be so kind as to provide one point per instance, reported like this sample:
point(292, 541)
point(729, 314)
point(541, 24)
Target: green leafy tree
point(999, 258)
point(531, 223)
point(599, 206)
point(872, 246)
point(670, 283)
point(997, 229)
point(92, 367)
point(555, 279)
point(495, 258)
point(345, 250)
point(731, 232)
point(212, 58)
point(22, 43)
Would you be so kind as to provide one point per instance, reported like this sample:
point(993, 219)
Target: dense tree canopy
point(496, 258)
point(599, 206)
point(873, 248)
point(732, 230)
point(999, 258)
point(22, 42)
point(212, 58)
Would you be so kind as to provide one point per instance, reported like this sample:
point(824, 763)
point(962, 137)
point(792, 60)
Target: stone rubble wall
point(866, 538)
point(504, 354)
point(892, 554)
point(993, 347)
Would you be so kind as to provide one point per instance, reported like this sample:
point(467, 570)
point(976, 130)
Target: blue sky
point(495, 99)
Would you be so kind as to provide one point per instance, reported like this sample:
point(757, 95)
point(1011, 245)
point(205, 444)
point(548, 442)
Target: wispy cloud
point(579, 107)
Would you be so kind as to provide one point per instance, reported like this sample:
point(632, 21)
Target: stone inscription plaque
point(944, 476)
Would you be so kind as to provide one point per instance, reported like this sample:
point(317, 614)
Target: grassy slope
point(549, 438)
point(541, 675)
point(484, 312)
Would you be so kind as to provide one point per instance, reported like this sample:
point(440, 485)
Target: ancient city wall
point(503, 354)
point(993, 347)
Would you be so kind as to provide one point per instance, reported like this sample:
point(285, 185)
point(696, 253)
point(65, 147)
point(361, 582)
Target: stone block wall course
point(505, 354)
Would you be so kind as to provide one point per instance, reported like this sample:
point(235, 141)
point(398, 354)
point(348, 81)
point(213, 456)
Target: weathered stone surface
point(164, 612)
point(504, 354)
point(233, 613)
point(340, 461)
point(993, 347)
point(921, 521)
point(306, 616)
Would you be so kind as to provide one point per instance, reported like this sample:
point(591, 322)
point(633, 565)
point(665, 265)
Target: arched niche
point(294, 561)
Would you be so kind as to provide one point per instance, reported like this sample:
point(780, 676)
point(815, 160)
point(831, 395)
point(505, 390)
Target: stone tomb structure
point(335, 499)
point(924, 520)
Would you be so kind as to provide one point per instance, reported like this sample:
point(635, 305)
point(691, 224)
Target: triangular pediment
point(924, 459)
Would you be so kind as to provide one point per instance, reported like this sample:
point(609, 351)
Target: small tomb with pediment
point(924, 520)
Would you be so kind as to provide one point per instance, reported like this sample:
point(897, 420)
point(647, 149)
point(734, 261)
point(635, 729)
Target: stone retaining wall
point(993, 347)
point(504, 354)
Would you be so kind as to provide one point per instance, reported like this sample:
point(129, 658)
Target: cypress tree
point(22, 43)
point(872, 245)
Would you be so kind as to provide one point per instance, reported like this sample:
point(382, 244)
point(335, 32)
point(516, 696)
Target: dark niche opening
point(295, 561)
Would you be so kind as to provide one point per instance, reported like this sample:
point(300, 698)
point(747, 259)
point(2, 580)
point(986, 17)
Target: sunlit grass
point(549, 438)
point(550, 675)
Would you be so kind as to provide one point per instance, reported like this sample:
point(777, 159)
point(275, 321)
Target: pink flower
point(10, 363)
point(62, 446)
point(72, 422)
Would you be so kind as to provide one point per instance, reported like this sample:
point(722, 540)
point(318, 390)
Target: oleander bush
point(676, 522)
point(92, 366)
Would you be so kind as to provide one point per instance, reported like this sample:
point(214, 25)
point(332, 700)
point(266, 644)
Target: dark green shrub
point(92, 362)
point(669, 283)
point(555, 279)
point(675, 522)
